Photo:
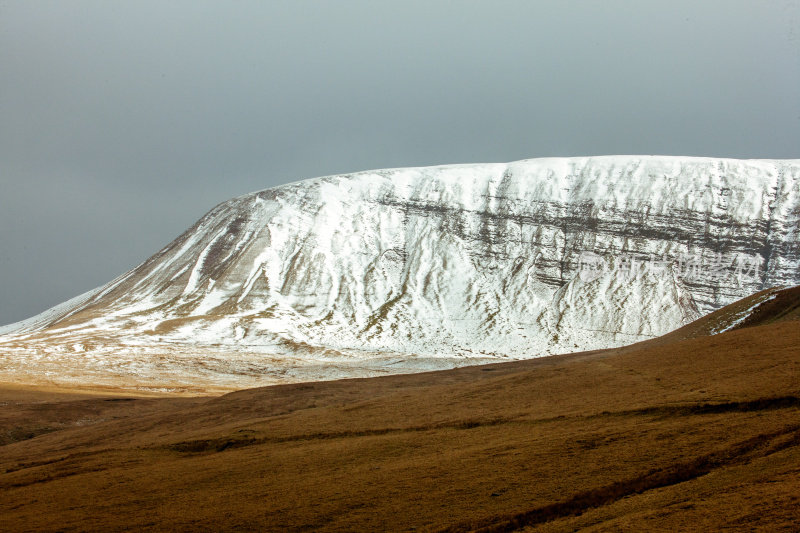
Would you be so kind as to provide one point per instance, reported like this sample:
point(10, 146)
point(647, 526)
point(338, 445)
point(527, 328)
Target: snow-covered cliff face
point(494, 260)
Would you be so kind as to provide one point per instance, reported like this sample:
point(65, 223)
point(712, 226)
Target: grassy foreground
point(692, 434)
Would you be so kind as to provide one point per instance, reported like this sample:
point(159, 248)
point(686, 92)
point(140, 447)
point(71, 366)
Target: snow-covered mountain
point(407, 269)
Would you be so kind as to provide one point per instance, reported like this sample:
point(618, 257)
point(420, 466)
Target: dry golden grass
point(694, 434)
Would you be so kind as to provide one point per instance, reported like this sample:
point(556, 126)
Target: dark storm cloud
point(123, 122)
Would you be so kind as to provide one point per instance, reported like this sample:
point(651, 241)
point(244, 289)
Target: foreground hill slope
point(402, 270)
point(689, 434)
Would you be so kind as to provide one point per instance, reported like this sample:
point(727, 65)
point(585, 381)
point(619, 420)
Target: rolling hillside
point(695, 433)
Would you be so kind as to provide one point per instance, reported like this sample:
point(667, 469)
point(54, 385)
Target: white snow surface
point(418, 268)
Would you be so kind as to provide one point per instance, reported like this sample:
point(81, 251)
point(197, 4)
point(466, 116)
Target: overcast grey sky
point(123, 122)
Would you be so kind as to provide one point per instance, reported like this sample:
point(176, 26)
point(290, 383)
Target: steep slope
point(408, 269)
point(700, 433)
